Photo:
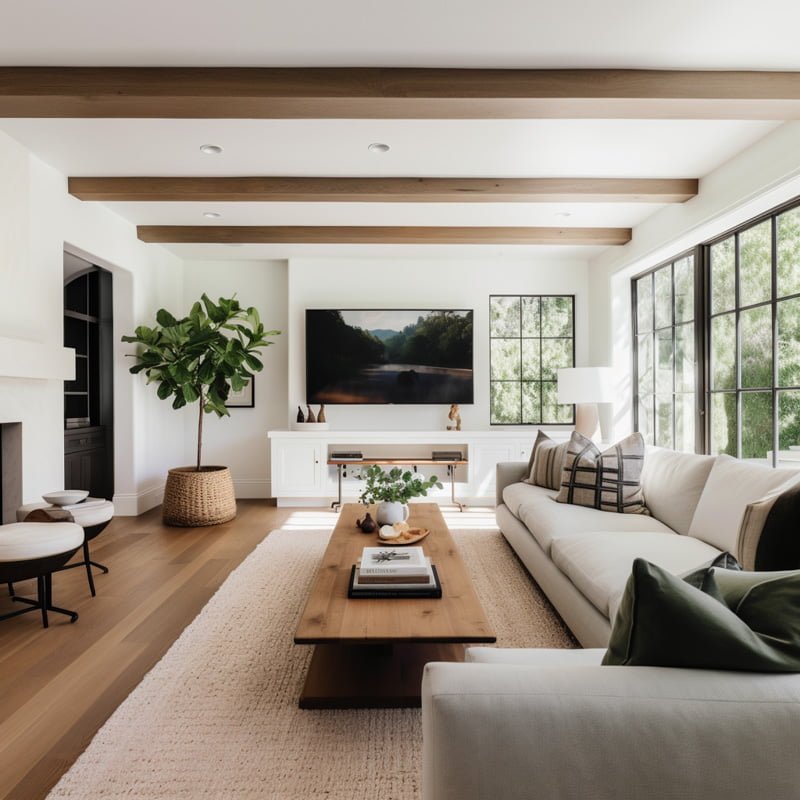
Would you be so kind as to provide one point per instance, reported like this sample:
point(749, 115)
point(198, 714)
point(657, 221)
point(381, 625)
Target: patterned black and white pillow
point(608, 481)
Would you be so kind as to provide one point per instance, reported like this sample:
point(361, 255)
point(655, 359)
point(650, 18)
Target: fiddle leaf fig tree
point(200, 358)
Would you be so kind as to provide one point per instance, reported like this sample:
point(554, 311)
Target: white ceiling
point(420, 148)
point(681, 34)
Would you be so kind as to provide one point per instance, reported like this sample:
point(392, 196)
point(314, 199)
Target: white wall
point(240, 441)
point(418, 283)
point(762, 177)
point(38, 219)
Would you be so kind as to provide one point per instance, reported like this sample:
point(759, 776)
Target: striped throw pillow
point(547, 460)
point(609, 481)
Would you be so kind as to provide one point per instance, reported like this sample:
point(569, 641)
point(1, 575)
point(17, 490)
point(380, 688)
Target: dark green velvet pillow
point(733, 621)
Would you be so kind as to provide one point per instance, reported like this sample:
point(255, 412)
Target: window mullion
point(774, 296)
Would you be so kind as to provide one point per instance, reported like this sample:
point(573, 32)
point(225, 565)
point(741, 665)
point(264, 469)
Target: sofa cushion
point(535, 656)
point(667, 475)
point(735, 621)
point(547, 460)
point(516, 494)
point(608, 481)
point(599, 564)
point(730, 488)
point(548, 520)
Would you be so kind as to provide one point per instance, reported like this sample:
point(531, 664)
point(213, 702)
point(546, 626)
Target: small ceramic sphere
point(388, 532)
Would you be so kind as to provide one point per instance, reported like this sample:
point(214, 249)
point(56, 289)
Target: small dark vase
point(300, 417)
point(367, 525)
point(310, 415)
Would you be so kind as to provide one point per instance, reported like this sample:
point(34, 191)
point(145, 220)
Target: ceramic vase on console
point(389, 513)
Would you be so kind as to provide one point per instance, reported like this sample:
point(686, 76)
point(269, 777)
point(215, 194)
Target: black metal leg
point(455, 502)
point(48, 581)
point(44, 600)
point(10, 589)
point(88, 563)
point(337, 504)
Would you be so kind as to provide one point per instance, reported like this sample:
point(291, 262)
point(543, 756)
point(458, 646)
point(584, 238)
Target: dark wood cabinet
point(85, 461)
point(88, 399)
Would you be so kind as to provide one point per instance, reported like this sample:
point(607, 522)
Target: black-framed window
point(530, 338)
point(754, 339)
point(665, 354)
point(747, 342)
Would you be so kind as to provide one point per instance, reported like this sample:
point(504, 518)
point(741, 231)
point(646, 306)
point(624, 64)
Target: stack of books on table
point(394, 572)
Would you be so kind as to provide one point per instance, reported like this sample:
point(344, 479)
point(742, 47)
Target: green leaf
point(207, 371)
point(255, 364)
point(190, 393)
point(165, 319)
point(164, 390)
point(215, 313)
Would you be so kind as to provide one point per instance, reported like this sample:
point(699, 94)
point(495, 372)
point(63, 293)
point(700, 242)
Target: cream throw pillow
point(731, 487)
point(608, 481)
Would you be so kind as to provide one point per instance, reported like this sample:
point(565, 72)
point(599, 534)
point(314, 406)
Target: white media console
point(301, 475)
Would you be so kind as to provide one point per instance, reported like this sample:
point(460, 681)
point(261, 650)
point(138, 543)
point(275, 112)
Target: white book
point(393, 561)
point(430, 584)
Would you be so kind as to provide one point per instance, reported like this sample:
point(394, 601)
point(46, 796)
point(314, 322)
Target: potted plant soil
point(200, 359)
point(392, 490)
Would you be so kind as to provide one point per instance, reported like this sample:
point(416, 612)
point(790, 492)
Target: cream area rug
point(217, 717)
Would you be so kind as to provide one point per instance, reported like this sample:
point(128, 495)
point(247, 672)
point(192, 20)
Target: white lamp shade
point(586, 385)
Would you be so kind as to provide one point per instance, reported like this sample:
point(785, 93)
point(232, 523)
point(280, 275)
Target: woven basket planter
point(193, 499)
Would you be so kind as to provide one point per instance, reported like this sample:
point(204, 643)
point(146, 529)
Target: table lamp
point(586, 387)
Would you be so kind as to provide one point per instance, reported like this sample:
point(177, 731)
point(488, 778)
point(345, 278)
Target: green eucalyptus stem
point(395, 486)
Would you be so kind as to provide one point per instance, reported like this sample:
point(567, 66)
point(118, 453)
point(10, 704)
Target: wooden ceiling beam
point(306, 234)
point(386, 190)
point(316, 93)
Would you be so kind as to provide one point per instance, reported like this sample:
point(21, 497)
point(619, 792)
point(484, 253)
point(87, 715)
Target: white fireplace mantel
point(21, 358)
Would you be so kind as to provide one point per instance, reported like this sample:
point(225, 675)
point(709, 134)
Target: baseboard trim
point(134, 503)
point(251, 488)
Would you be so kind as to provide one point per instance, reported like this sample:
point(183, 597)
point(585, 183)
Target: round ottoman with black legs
point(93, 517)
point(36, 550)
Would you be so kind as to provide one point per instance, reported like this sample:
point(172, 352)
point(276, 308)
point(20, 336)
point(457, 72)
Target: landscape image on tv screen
point(388, 356)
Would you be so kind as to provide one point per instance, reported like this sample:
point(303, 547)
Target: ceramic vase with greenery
point(199, 359)
point(392, 490)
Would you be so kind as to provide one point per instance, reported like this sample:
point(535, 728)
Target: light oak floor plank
point(58, 686)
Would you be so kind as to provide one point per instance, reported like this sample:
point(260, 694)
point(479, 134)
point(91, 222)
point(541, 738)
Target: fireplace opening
point(10, 470)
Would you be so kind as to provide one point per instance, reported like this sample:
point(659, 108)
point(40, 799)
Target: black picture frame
point(246, 398)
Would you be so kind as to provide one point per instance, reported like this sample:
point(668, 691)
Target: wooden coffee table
point(370, 653)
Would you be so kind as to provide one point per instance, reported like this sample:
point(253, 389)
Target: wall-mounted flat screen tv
point(388, 356)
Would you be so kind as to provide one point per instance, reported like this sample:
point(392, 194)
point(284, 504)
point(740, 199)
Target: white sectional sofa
point(555, 724)
point(582, 557)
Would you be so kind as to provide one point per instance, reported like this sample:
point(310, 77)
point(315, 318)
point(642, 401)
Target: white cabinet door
point(484, 458)
point(297, 469)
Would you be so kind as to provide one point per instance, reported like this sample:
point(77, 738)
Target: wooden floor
point(58, 686)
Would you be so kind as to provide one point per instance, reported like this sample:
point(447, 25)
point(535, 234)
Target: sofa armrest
point(509, 472)
point(574, 732)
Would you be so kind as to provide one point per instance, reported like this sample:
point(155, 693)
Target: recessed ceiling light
point(379, 147)
point(211, 149)
point(211, 215)
point(563, 214)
